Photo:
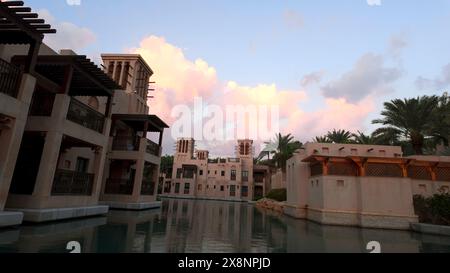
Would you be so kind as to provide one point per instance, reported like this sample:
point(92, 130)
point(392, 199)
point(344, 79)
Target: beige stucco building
point(75, 139)
point(361, 185)
point(133, 160)
point(17, 85)
point(195, 175)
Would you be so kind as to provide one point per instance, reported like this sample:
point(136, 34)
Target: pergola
point(75, 75)
point(18, 25)
point(379, 167)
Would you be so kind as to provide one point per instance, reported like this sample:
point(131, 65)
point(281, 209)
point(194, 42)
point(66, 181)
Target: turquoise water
point(186, 226)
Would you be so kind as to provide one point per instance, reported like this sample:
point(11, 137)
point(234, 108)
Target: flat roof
point(113, 56)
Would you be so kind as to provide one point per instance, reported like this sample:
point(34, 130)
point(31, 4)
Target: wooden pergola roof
point(18, 25)
point(383, 160)
point(87, 78)
point(137, 122)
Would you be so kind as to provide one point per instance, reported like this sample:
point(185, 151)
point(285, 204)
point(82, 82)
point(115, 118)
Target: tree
point(321, 139)
point(440, 132)
point(339, 136)
point(410, 118)
point(166, 163)
point(285, 146)
point(361, 138)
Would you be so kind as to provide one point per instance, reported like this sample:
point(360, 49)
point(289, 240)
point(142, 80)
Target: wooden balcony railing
point(259, 178)
point(85, 116)
point(72, 183)
point(10, 77)
point(119, 186)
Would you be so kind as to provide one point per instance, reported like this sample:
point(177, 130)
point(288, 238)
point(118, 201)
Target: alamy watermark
point(209, 122)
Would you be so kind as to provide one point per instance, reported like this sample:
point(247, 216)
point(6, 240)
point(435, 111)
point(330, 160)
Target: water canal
point(192, 226)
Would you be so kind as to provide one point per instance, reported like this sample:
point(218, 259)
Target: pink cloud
point(179, 80)
point(68, 36)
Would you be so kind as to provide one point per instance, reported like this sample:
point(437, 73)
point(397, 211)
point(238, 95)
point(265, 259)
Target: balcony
point(148, 187)
point(153, 148)
point(10, 77)
point(234, 160)
point(259, 178)
point(71, 183)
point(85, 116)
point(119, 186)
point(126, 143)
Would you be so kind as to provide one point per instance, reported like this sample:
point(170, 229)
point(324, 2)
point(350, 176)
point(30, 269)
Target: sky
point(326, 64)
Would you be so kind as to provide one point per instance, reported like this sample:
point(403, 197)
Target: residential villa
point(17, 86)
point(74, 137)
point(133, 160)
point(361, 185)
point(195, 175)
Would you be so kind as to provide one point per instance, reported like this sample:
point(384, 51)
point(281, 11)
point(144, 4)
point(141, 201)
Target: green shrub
point(433, 210)
point(277, 195)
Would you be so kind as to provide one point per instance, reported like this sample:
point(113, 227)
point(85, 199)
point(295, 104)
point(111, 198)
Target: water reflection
point(208, 226)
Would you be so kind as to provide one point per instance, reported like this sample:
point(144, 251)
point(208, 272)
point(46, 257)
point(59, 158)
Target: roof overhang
point(87, 78)
point(138, 122)
point(382, 160)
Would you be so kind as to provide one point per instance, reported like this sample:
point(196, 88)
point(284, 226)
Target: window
point(222, 188)
point(201, 172)
point(214, 186)
point(244, 191)
point(233, 175)
point(82, 165)
point(177, 188)
point(187, 187)
point(93, 103)
point(67, 164)
point(232, 190)
point(215, 172)
point(209, 172)
point(223, 173)
point(245, 176)
point(199, 187)
point(179, 173)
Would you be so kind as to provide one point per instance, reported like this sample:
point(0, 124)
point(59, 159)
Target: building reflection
point(194, 226)
point(52, 237)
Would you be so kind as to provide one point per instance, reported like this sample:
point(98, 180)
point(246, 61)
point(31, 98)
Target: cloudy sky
point(327, 64)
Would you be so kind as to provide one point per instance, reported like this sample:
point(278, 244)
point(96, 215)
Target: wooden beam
point(33, 53)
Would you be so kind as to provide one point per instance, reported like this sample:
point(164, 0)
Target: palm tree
point(361, 138)
point(339, 136)
point(321, 139)
point(441, 122)
point(410, 118)
point(282, 148)
point(388, 136)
